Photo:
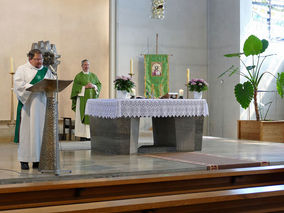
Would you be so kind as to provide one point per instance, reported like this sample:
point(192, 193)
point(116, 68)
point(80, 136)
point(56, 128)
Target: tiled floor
point(84, 163)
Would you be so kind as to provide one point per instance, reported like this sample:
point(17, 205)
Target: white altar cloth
point(117, 108)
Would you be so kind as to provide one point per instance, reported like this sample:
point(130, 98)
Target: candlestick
point(131, 66)
point(12, 120)
point(11, 65)
point(187, 81)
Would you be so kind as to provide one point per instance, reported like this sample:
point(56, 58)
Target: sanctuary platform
point(217, 153)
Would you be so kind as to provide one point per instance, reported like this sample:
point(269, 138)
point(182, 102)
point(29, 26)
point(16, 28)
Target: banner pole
point(157, 40)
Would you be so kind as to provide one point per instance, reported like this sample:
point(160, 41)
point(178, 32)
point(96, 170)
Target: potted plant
point(197, 86)
point(123, 85)
point(246, 92)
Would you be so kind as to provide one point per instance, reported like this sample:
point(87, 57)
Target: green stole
point(38, 77)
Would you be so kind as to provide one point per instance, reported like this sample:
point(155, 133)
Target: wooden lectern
point(49, 156)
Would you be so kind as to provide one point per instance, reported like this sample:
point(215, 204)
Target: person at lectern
point(31, 109)
point(86, 85)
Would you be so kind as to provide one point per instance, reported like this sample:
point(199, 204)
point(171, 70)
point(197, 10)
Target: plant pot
point(122, 94)
point(197, 95)
point(261, 130)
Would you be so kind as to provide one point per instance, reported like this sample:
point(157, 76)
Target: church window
point(269, 16)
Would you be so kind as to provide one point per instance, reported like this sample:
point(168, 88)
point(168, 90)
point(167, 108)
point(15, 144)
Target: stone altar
point(177, 124)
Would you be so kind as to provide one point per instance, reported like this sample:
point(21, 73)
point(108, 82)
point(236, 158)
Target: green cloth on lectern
point(80, 81)
point(38, 77)
point(156, 75)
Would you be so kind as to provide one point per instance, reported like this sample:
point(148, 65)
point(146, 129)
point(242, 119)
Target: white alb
point(32, 114)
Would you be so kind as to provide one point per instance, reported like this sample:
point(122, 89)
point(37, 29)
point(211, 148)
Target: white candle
point(188, 74)
point(180, 92)
point(133, 92)
point(131, 66)
point(11, 65)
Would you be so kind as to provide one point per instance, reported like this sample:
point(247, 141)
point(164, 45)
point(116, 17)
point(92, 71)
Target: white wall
point(79, 29)
point(223, 38)
point(183, 33)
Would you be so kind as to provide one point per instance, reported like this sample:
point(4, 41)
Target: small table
point(177, 124)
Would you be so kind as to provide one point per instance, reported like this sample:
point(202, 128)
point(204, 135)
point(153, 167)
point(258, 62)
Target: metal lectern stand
point(49, 155)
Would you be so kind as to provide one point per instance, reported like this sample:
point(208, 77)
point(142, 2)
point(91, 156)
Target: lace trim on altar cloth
point(117, 108)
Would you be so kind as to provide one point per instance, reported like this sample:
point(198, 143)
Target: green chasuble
point(80, 81)
point(38, 77)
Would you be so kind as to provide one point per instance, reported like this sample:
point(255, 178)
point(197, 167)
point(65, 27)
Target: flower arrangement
point(123, 83)
point(197, 85)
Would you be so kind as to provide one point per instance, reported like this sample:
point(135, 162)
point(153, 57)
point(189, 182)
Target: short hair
point(83, 61)
point(32, 53)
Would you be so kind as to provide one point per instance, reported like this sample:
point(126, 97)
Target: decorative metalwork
point(158, 9)
point(50, 56)
point(49, 157)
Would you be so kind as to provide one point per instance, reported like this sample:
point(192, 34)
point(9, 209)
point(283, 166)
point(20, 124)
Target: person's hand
point(89, 86)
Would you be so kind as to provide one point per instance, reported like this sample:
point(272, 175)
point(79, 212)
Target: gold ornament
point(158, 9)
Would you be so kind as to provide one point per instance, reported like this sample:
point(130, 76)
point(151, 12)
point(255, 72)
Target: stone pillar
point(183, 133)
point(115, 136)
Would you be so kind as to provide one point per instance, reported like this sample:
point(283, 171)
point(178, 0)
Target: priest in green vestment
point(86, 85)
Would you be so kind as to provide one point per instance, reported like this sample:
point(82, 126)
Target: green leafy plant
point(123, 83)
point(244, 93)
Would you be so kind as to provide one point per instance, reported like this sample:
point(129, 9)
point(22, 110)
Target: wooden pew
point(254, 199)
point(41, 194)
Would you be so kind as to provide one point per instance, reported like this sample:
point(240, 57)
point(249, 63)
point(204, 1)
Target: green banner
point(156, 75)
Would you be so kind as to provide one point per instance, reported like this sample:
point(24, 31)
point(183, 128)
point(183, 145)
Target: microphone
point(52, 70)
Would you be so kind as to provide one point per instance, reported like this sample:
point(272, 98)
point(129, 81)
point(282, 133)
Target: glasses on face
point(37, 59)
